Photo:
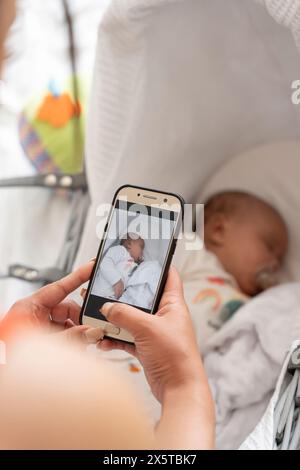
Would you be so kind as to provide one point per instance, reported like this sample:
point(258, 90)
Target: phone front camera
point(139, 194)
point(165, 200)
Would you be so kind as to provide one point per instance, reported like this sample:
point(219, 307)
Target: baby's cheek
point(247, 269)
point(255, 252)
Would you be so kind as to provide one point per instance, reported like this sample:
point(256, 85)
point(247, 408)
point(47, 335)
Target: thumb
point(173, 291)
point(174, 283)
point(125, 316)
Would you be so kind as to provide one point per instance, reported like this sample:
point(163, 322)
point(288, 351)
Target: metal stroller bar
point(48, 180)
point(286, 412)
point(75, 183)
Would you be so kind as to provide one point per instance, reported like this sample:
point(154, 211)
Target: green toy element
point(226, 312)
point(51, 129)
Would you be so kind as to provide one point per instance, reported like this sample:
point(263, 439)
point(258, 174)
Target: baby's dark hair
point(227, 203)
point(131, 237)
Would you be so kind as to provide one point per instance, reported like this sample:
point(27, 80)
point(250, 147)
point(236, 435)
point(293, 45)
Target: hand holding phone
point(134, 256)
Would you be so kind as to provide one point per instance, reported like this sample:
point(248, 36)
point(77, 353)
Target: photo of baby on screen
point(129, 274)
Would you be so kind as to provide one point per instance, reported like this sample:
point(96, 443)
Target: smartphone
point(135, 253)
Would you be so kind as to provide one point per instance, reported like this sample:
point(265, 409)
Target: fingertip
point(174, 282)
point(106, 308)
point(174, 271)
point(83, 292)
point(69, 324)
point(75, 333)
point(93, 335)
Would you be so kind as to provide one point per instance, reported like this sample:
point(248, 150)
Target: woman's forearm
point(187, 420)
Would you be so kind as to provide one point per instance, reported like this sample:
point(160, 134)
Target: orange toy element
point(58, 110)
point(209, 294)
point(216, 280)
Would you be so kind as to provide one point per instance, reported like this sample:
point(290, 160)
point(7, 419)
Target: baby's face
point(255, 242)
point(136, 249)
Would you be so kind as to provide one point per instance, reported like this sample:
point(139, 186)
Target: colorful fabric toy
point(51, 129)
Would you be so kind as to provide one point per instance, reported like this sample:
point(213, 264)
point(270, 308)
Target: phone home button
point(111, 329)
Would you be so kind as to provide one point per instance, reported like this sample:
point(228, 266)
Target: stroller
point(51, 197)
point(180, 87)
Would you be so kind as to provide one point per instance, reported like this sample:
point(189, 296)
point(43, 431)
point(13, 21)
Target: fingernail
point(93, 335)
point(82, 292)
point(69, 323)
point(92, 260)
point(105, 308)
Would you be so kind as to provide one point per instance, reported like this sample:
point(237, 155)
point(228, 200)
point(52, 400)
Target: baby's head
point(134, 245)
point(247, 235)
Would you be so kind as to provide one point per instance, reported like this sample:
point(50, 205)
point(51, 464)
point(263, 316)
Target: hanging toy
point(57, 108)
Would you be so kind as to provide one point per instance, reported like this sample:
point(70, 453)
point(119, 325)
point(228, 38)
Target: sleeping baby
point(117, 266)
point(125, 276)
point(245, 244)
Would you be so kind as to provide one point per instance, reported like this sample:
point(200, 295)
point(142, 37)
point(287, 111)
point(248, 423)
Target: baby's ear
point(215, 229)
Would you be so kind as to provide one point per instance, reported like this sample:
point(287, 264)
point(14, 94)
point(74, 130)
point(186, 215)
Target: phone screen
point(132, 258)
